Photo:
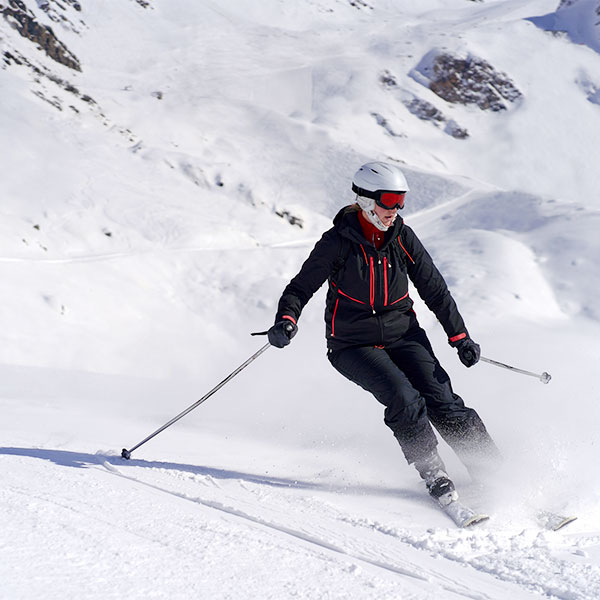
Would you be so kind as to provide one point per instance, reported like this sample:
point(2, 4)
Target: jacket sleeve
point(431, 286)
point(312, 275)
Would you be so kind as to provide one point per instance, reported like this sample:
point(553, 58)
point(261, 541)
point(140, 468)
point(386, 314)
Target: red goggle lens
point(391, 200)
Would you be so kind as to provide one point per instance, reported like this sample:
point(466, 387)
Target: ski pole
point(127, 453)
point(544, 377)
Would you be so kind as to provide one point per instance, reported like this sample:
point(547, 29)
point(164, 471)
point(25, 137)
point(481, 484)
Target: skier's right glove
point(468, 351)
point(282, 333)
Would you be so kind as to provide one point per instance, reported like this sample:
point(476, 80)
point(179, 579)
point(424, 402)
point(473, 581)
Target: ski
point(553, 521)
point(462, 515)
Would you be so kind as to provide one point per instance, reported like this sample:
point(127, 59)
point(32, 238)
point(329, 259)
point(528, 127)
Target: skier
point(373, 336)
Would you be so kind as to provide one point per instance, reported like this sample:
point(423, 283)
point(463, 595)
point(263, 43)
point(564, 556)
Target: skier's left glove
point(468, 351)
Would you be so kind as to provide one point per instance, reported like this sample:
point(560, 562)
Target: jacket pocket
point(399, 299)
point(340, 295)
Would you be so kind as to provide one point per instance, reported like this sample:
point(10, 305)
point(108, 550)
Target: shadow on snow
point(82, 460)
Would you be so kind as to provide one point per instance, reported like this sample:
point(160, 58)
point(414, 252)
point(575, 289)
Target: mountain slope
point(165, 171)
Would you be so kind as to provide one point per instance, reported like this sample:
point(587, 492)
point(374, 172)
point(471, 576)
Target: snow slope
point(579, 20)
point(149, 221)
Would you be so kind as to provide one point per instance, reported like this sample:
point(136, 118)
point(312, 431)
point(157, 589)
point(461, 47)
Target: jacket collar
point(347, 224)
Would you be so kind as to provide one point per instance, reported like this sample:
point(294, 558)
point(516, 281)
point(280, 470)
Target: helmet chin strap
point(372, 216)
point(368, 207)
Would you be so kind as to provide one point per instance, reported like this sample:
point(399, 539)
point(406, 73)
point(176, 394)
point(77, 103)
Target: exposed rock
point(290, 218)
point(384, 123)
point(455, 130)
point(469, 80)
point(10, 59)
point(428, 112)
point(53, 101)
point(45, 4)
point(388, 80)
point(590, 87)
point(58, 92)
point(23, 20)
point(58, 11)
point(41, 74)
point(424, 110)
point(420, 108)
point(360, 4)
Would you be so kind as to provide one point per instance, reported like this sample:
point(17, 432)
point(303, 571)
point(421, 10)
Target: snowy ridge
point(154, 204)
point(580, 19)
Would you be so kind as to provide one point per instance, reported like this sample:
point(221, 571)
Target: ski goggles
point(383, 198)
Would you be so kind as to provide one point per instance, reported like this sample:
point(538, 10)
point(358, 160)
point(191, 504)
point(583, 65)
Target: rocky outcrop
point(290, 218)
point(23, 20)
point(360, 4)
point(385, 125)
point(48, 84)
point(53, 85)
point(466, 80)
point(420, 108)
point(45, 4)
point(428, 112)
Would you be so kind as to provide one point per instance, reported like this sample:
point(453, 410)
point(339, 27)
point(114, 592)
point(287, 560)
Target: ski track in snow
point(496, 552)
point(109, 256)
point(415, 572)
point(499, 560)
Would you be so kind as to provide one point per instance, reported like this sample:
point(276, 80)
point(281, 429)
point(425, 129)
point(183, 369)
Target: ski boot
point(442, 489)
point(439, 485)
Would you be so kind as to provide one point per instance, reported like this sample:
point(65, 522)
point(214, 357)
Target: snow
point(146, 234)
point(579, 20)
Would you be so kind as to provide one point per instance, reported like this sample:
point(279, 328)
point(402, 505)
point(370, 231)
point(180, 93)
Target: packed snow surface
point(152, 208)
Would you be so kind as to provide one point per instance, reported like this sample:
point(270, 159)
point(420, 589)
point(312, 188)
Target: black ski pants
point(409, 381)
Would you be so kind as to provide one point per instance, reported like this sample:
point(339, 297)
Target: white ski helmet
point(382, 184)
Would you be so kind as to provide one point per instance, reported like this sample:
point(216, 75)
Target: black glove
point(468, 351)
point(281, 333)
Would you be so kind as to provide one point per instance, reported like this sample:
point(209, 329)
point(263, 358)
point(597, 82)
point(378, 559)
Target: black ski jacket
point(367, 301)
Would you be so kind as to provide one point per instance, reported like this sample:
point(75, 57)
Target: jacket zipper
point(405, 251)
point(339, 291)
point(396, 301)
point(372, 284)
point(333, 318)
point(372, 281)
point(349, 297)
point(385, 281)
